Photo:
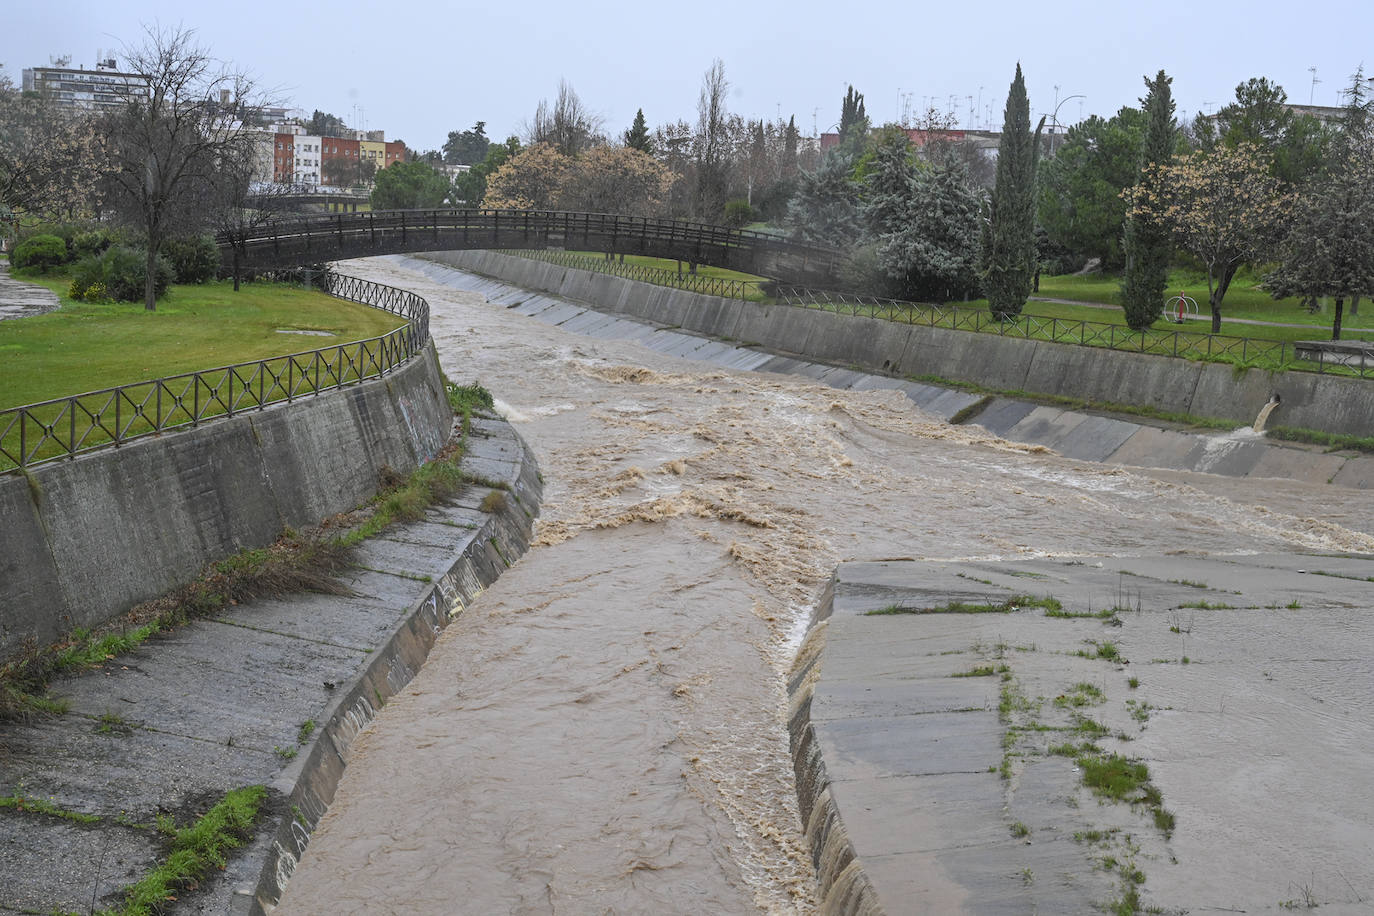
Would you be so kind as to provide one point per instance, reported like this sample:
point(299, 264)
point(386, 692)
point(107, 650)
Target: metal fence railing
point(710, 286)
point(1248, 352)
point(67, 427)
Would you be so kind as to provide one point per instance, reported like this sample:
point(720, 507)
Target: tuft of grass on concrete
point(42, 806)
point(195, 850)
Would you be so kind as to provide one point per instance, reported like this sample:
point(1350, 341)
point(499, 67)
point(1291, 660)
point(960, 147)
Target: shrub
point(738, 213)
point(195, 260)
point(41, 251)
point(85, 243)
point(118, 274)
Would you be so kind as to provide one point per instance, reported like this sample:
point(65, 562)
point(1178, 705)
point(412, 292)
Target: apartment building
point(102, 88)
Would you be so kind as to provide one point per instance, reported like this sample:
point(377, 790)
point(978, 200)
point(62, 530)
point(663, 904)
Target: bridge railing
point(66, 427)
point(302, 239)
point(1196, 345)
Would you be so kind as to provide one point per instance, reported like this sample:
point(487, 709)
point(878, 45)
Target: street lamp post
point(1054, 118)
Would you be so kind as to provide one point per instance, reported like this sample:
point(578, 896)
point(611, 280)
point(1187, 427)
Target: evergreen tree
point(468, 147)
point(1080, 205)
point(1009, 233)
point(1147, 242)
point(637, 137)
point(853, 120)
point(932, 252)
point(824, 209)
point(888, 185)
point(789, 149)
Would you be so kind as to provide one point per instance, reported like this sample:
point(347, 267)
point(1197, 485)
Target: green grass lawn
point(1245, 299)
point(668, 264)
point(84, 347)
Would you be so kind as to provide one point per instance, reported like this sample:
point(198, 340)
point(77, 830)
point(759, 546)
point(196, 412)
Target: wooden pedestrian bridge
point(312, 239)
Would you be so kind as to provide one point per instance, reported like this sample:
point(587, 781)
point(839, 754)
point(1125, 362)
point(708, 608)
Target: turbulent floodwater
point(602, 732)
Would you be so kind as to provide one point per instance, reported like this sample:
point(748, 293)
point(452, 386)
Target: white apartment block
point(101, 88)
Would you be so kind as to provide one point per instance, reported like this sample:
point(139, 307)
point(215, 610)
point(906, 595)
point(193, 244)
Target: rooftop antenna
point(1313, 93)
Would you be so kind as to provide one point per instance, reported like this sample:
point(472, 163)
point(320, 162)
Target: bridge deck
point(351, 235)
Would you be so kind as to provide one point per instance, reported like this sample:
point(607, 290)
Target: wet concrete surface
point(19, 299)
point(1241, 682)
point(221, 703)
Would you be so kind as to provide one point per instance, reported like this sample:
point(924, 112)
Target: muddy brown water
point(602, 732)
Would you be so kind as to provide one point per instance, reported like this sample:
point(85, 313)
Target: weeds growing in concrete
point(1108, 614)
point(195, 850)
point(465, 400)
point(45, 807)
point(110, 723)
point(1081, 694)
point(1014, 603)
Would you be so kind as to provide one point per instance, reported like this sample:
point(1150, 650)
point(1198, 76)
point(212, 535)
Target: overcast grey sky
point(420, 69)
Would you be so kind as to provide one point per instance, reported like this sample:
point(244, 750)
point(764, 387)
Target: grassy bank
point(86, 347)
point(1245, 299)
point(670, 265)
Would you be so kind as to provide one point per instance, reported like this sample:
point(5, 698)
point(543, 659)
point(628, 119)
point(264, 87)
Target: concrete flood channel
point(625, 720)
point(608, 728)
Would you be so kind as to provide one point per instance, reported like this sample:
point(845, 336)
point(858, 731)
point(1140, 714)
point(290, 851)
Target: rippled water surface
point(602, 732)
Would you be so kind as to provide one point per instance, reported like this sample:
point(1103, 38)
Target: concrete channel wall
point(82, 541)
point(1326, 403)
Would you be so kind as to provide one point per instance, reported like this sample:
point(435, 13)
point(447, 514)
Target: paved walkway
point(23, 300)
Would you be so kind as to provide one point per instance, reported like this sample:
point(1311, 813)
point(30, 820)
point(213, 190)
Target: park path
point(603, 730)
point(23, 300)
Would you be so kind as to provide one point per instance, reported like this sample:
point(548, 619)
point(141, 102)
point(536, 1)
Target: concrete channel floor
point(1241, 682)
point(218, 704)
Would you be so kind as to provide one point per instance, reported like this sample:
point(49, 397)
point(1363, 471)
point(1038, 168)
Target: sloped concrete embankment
point(82, 541)
point(272, 692)
point(480, 557)
point(843, 886)
point(1320, 402)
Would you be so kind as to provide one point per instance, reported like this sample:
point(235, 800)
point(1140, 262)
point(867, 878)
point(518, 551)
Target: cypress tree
point(1009, 233)
point(853, 120)
point(637, 137)
point(789, 148)
point(1146, 244)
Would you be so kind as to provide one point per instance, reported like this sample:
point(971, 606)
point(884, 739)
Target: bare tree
point(568, 126)
point(712, 142)
point(168, 149)
point(243, 202)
